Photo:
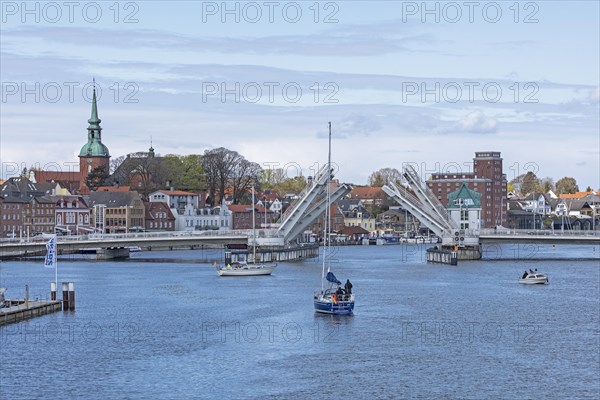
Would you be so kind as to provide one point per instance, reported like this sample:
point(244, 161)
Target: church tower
point(94, 153)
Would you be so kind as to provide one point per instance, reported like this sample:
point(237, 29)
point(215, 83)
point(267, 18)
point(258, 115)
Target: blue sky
point(402, 82)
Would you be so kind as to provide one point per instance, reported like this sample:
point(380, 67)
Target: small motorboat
point(533, 278)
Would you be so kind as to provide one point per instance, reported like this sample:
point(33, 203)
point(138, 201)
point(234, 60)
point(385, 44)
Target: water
point(173, 329)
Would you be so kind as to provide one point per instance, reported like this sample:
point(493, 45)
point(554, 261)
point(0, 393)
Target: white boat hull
point(534, 279)
point(247, 270)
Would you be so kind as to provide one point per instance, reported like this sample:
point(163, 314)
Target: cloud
point(475, 122)
point(352, 125)
point(345, 41)
point(595, 95)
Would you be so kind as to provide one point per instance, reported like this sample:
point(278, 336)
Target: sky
point(425, 83)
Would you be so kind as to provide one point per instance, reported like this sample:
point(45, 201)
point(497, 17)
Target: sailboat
point(240, 265)
point(333, 299)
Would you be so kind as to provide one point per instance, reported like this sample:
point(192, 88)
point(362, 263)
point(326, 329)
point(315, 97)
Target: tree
point(531, 184)
point(244, 175)
point(516, 184)
point(272, 177)
point(140, 171)
point(546, 184)
point(510, 187)
point(115, 163)
point(588, 189)
point(96, 177)
point(218, 166)
point(566, 185)
point(184, 172)
point(385, 176)
point(294, 184)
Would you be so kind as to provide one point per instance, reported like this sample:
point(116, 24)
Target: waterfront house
point(176, 199)
point(158, 216)
point(464, 207)
point(241, 216)
point(117, 212)
point(72, 215)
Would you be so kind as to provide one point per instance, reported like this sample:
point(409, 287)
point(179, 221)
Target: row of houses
point(29, 209)
point(579, 211)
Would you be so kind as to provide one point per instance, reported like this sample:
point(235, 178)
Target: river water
point(164, 326)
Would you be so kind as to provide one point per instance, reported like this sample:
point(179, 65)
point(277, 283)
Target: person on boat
point(524, 275)
point(348, 287)
point(339, 294)
point(530, 271)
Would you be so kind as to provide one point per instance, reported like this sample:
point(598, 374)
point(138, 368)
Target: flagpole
point(56, 263)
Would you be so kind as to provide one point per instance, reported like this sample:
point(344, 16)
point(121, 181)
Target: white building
point(464, 207)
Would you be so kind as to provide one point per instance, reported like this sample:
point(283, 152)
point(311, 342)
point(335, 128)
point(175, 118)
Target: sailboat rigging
point(241, 267)
point(336, 301)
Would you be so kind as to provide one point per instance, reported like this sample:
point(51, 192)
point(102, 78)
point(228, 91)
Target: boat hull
point(534, 278)
point(327, 305)
point(533, 281)
point(246, 271)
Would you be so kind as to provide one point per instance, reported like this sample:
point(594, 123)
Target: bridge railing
point(322, 171)
point(146, 235)
point(539, 232)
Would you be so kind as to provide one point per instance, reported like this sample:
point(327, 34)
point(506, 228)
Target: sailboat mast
point(328, 211)
point(253, 229)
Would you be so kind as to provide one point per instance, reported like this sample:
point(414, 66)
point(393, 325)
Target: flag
point(50, 261)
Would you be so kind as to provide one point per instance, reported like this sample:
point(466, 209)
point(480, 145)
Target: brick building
point(487, 179)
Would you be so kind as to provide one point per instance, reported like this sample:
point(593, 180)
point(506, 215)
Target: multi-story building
point(487, 179)
point(159, 216)
point(12, 210)
point(464, 207)
point(176, 199)
point(72, 215)
point(241, 216)
point(31, 200)
point(117, 212)
point(39, 216)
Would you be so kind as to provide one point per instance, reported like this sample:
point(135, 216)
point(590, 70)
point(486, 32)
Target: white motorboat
point(533, 278)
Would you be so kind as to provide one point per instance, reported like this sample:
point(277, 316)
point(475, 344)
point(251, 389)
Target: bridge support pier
point(472, 252)
point(112, 253)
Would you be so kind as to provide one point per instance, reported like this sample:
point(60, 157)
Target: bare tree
point(244, 175)
point(385, 176)
point(218, 166)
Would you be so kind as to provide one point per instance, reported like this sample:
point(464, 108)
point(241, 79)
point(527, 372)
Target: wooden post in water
point(72, 296)
point(53, 291)
point(26, 296)
point(65, 296)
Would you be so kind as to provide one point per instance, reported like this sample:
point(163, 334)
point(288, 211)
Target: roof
point(353, 230)
point(348, 204)
point(113, 199)
point(577, 195)
point(464, 197)
point(67, 179)
point(152, 207)
point(175, 192)
point(94, 146)
point(113, 189)
point(366, 192)
point(240, 208)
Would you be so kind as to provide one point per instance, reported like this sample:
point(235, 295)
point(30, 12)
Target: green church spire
point(94, 145)
point(94, 121)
